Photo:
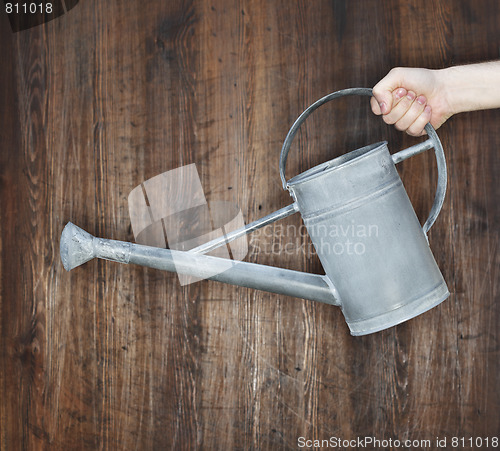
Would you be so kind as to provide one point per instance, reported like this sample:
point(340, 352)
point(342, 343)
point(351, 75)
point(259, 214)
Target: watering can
point(387, 278)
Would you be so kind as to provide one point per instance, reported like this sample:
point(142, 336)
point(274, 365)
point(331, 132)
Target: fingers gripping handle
point(433, 141)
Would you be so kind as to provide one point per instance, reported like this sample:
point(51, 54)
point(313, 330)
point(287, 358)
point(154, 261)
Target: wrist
point(450, 86)
point(471, 87)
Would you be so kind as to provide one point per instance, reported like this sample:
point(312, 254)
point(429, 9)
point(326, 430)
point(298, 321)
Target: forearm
point(471, 87)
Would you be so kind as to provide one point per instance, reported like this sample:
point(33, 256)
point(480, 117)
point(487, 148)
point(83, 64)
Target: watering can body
point(378, 265)
point(368, 239)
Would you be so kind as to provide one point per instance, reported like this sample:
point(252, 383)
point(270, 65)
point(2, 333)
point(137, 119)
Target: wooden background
point(112, 356)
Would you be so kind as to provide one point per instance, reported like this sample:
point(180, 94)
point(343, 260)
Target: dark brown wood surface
point(111, 356)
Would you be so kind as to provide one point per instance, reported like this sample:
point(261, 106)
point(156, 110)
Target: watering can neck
point(78, 246)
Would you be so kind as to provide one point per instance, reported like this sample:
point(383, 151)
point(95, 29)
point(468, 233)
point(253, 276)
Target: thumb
point(381, 102)
point(382, 91)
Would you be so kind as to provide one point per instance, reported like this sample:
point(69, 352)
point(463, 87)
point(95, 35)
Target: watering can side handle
point(433, 141)
point(442, 178)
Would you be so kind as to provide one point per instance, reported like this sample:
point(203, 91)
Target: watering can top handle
point(433, 141)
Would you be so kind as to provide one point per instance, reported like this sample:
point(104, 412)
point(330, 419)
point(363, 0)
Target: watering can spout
point(78, 246)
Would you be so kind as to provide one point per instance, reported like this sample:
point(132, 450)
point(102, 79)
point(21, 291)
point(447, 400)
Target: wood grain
point(111, 356)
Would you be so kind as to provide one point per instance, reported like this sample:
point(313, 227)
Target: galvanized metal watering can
point(390, 277)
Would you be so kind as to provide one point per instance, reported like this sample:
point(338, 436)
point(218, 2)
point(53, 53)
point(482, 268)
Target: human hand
point(409, 98)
